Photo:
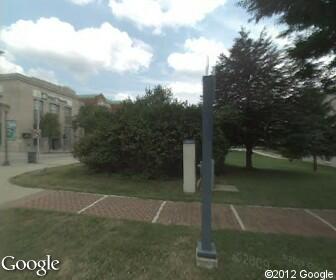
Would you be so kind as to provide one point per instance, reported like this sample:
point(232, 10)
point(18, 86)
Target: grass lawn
point(274, 182)
point(98, 248)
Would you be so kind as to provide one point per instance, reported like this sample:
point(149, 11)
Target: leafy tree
point(91, 117)
point(50, 127)
point(314, 20)
point(310, 127)
point(144, 136)
point(313, 25)
point(251, 83)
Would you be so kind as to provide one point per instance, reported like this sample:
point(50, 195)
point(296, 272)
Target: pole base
point(6, 163)
point(206, 259)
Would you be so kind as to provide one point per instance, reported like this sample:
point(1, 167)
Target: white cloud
point(83, 51)
point(7, 66)
point(183, 89)
point(193, 60)
point(82, 2)
point(122, 95)
point(43, 74)
point(272, 29)
point(186, 91)
point(161, 13)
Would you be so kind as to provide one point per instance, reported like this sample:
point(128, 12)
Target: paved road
point(8, 191)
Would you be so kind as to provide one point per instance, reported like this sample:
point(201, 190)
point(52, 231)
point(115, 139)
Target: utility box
point(189, 166)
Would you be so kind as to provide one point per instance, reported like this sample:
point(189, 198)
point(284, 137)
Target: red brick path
point(250, 218)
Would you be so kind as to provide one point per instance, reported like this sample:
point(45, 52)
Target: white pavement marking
point(158, 212)
point(321, 219)
point(92, 204)
point(239, 220)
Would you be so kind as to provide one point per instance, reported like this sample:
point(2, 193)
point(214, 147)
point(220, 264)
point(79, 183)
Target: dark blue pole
point(206, 248)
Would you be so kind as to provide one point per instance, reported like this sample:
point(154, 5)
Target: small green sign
point(11, 130)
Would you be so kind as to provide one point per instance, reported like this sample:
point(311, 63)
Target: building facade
point(101, 100)
point(95, 99)
point(24, 101)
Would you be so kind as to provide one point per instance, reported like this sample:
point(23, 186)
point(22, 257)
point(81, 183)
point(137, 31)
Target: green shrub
point(144, 136)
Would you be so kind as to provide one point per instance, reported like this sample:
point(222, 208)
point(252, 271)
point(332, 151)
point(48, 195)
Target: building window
point(38, 110)
point(54, 108)
point(67, 116)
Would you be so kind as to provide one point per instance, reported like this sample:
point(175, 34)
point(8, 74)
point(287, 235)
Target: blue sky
point(120, 47)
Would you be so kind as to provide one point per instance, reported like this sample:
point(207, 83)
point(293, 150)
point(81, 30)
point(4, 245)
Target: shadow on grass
point(234, 170)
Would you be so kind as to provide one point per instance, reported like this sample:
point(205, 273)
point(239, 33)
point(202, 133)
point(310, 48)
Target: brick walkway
point(242, 218)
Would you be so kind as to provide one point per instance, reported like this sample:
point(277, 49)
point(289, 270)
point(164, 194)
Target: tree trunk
point(249, 152)
point(315, 162)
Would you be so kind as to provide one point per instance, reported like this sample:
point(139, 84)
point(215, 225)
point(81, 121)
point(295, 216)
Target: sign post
point(6, 161)
point(38, 133)
point(206, 255)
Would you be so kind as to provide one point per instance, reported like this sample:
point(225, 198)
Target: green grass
point(273, 182)
point(279, 182)
point(99, 248)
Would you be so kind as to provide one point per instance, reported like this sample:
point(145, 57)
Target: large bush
point(90, 117)
point(144, 136)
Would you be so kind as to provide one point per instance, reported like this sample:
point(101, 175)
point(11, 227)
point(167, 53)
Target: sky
point(121, 47)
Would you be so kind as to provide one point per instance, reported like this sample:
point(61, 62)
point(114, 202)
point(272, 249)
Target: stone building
point(101, 100)
point(27, 99)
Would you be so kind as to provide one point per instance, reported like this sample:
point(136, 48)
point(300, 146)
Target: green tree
point(251, 83)
point(310, 126)
point(313, 25)
point(91, 118)
point(50, 127)
point(145, 136)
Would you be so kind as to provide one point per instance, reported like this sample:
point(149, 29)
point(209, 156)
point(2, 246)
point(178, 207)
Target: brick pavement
point(301, 222)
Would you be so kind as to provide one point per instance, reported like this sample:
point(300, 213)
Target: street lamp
point(206, 255)
point(5, 109)
point(38, 133)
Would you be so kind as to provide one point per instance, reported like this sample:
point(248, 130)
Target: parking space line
point(321, 219)
point(156, 217)
point(239, 220)
point(92, 204)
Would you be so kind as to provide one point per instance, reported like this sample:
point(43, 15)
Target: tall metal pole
point(6, 162)
point(206, 250)
point(38, 133)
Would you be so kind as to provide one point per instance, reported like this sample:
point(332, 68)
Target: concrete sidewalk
point(302, 222)
point(8, 191)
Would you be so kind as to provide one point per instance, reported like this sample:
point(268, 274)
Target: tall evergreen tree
point(251, 84)
point(313, 25)
point(316, 18)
